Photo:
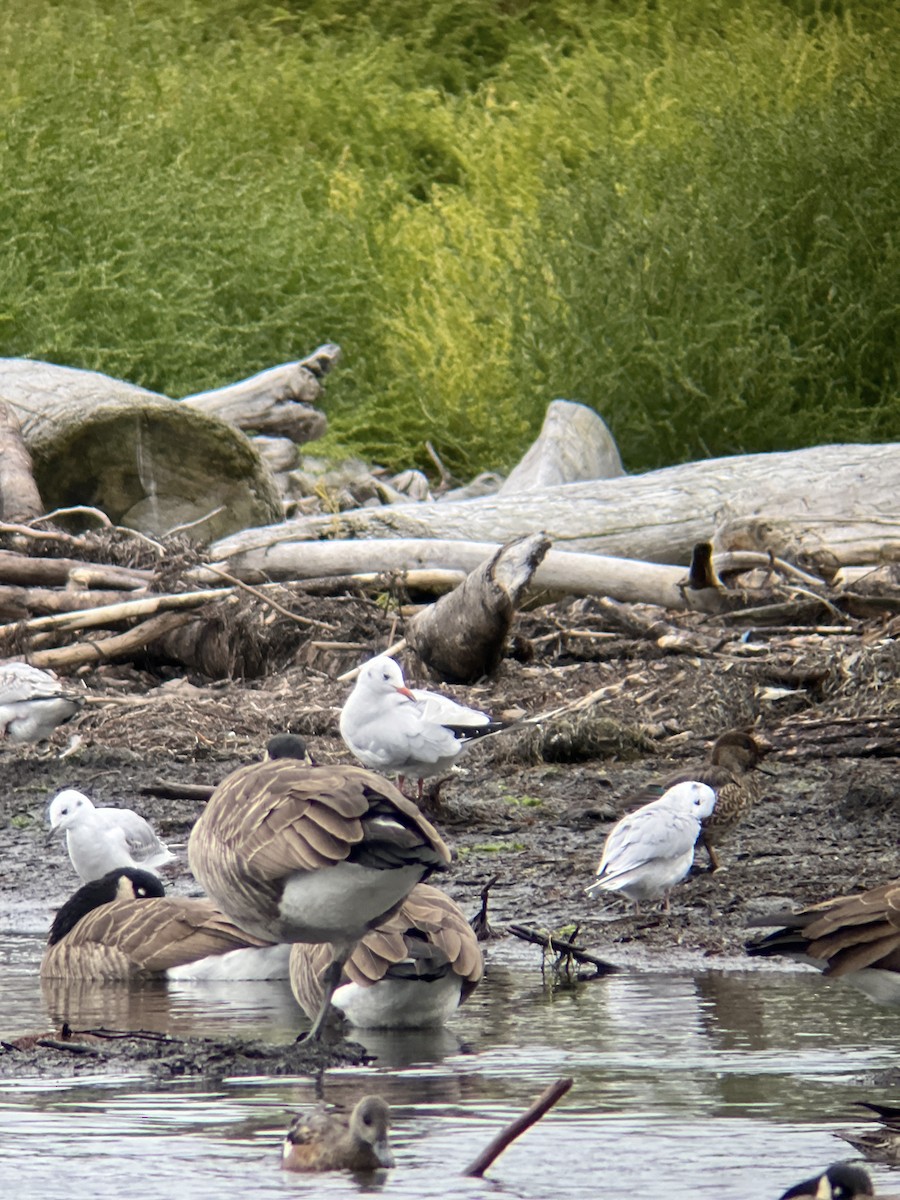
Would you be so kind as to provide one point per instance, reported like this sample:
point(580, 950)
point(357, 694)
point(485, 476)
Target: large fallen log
point(19, 496)
point(823, 506)
point(148, 462)
point(560, 572)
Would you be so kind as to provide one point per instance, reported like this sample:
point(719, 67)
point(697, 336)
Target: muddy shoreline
point(528, 808)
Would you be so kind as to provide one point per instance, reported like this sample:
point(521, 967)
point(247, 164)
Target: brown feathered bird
point(410, 972)
point(123, 926)
point(856, 938)
point(881, 1144)
point(329, 1141)
point(299, 853)
point(731, 773)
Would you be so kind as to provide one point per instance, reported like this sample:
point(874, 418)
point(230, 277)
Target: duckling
point(33, 702)
point(327, 1141)
point(855, 938)
point(298, 853)
point(123, 926)
point(648, 851)
point(101, 839)
point(404, 731)
point(410, 972)
point(842, 1181)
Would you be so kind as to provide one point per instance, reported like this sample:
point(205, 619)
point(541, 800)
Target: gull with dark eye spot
point(407, 731)
point(101, 839)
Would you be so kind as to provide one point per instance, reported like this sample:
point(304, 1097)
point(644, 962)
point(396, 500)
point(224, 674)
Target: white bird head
point(696, 798)
point(66, 808)
point(382, 676)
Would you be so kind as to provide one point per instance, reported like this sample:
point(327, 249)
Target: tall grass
point(681, 212)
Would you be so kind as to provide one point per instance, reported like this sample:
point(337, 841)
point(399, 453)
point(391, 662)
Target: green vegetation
point(682, 212)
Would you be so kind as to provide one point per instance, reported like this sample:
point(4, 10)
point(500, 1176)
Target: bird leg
point(330, 981)
point(714, 864)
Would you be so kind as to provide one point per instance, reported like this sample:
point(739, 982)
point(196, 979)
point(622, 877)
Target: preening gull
point(101, 839)
point(406, 731)
point(33, 702)
point(650, 850)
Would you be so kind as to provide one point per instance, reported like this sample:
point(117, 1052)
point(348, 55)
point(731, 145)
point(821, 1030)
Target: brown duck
point(731, 773)
point(328, 1141)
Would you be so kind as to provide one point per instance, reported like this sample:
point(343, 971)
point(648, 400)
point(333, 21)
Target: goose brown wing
point(282, 816)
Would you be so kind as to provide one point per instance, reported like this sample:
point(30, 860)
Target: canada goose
point(410, 972)
point(123, 926)
point(731, 773)
point(650, 850)
point(328, 1141)
point(297, 853)
point(33, 702)
point(101, 839)
point(855, 938)
point(842, 1181)
point(402, 731)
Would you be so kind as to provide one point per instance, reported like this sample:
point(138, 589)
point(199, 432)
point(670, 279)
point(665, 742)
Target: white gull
point(101, 839)
point(406, 731)
point(650, 850)
point(33, 702)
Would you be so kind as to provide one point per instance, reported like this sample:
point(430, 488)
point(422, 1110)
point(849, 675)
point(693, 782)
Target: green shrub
point(680, 212)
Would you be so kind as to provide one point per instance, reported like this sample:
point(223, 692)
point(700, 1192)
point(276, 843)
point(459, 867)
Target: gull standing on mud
point(648, 851)
point(406, 731)
point(101, 839)
point(33, 702)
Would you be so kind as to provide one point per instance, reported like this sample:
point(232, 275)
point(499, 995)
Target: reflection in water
point(687, 1084)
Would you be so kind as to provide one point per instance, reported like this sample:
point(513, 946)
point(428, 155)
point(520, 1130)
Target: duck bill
point(383, 1152)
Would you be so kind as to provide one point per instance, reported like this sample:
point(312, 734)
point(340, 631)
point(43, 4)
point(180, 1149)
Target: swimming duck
point(842, 1181)
point(406, 731)
point(33, 702)
point(731, 773)
point(648, 851)
point(298, 853)
point(879, 1145)
point(328, 1141)
point(123, 926)
point(101, 839)
point(855, 938)
point(410, 972)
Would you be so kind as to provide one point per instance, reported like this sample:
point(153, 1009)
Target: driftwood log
point(824, 506)
point(574, 443)
point(277, 402)
point(20, 499)
point(148, 462)
point(462, 635)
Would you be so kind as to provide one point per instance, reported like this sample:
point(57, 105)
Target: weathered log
point(19, 604)
point(560, 572)
point(119, 645)
point(839, 502)
point(25, 570)
point(278, 401)
point(462, 635)
point(20, 499)
point(574, 443)
point(148, 462)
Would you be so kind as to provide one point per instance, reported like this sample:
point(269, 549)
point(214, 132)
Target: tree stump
point(148, 462)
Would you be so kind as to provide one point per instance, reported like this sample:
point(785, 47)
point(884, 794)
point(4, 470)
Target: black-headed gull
point(329, 1141)
point(101, 839)
point(406, 731)
point(298, 853)
point(124, 925)
point(411, 971)
point(650, 850)
point(33, 702)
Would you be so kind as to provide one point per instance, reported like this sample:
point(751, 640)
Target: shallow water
point(687, 1083)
